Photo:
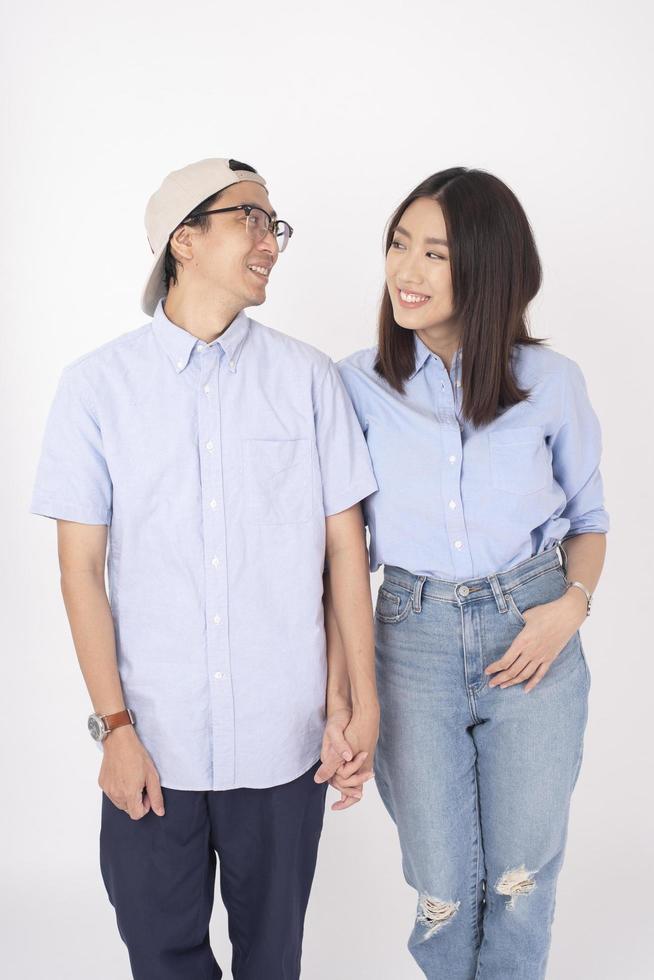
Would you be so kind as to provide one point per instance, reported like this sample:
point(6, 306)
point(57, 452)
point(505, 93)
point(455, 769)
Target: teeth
point(412, 297)
point(259, 268)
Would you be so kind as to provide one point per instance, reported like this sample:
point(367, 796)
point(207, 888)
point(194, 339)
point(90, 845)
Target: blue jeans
point(478, 780)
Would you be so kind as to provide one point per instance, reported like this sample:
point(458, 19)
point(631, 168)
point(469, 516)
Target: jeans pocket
point(541, 589)
point(513, 609)
point(392, 606)
point(277, 480)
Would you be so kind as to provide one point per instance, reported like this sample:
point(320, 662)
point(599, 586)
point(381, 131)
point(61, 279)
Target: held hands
point(130, 779)
point(536, 647)
point(126, 771)
point(347, 754)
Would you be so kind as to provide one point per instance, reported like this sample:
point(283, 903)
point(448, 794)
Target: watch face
point(94, 727)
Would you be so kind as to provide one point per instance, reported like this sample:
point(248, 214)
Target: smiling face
point(224, 259)
point(418, 273)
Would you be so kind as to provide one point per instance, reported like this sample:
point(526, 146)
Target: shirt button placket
point(216, 612)
point(452, 444)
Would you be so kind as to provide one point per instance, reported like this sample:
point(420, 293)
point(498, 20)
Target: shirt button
point(215, 562)
point(217, 619)
point(219, 675)
point(206, 389)
point(458, 545)
point(452, 459)
point(452, 504)
point(458, 384)
point(180, 364)
point(210, 446)
point(231, 364)
point(213, 504)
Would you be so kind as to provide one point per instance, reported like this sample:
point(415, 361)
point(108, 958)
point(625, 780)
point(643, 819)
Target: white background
point(343, 107)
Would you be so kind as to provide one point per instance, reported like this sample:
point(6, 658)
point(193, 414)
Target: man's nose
point(269, 243)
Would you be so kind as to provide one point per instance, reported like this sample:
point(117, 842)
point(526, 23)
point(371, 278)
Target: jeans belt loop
point(563, 558)
point(498, 595)
point(417, 593)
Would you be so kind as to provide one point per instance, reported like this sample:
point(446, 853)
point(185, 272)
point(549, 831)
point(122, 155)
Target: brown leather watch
point(101, 725)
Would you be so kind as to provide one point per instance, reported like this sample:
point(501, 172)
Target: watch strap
point(117, 719)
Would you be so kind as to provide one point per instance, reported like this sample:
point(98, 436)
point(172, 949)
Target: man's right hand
point(126, 771)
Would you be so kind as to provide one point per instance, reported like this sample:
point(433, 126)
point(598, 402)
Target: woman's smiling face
point(418, 274)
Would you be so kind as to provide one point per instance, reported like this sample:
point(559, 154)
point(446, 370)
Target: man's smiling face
point(225, 258)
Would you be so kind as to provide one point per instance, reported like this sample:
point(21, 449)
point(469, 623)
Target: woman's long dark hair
point(496, 273)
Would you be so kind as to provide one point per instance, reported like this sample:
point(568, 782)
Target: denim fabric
point(477, 779)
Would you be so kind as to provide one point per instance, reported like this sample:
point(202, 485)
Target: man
point(227, 463)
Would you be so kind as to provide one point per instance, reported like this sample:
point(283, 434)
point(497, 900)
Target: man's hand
point(127, 770)
point(335, 749)
point(336, 753)
point(361, 732)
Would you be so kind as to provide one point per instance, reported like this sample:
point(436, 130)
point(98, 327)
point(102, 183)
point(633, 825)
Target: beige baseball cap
point(180, 192)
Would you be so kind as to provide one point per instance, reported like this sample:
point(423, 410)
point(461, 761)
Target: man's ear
point(181, 244)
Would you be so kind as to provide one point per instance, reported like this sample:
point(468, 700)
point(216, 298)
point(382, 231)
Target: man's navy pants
point(159, 873)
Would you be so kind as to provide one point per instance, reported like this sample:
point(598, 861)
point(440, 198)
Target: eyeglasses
point(257, 223)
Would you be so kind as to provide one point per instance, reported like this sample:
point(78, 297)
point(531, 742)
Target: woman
point(486, 452)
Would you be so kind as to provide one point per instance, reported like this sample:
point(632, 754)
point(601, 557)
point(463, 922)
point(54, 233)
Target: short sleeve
point(347, 376)
point(576, 452)
point(72, 479)
point(345, 466)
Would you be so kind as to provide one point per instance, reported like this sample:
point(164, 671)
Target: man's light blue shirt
point(458, 502)
point(215, 466)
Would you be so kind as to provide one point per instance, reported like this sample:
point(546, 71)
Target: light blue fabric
point(215, 466)
point(477, 779)
point(457, 501)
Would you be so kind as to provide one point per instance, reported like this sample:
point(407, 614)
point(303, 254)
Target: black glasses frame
point(273, 223)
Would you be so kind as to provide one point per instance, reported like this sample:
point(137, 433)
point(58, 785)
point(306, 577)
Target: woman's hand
point(534, 650)
point(335, 749)
point(362, 734)
point(347, 753)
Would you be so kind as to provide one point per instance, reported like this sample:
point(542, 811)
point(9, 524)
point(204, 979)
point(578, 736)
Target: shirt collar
point(423, 353)
point(178, 342)
point(233, 339)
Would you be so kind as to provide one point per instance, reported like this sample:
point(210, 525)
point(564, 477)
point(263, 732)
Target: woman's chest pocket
point(519, 460)
point(277, 480)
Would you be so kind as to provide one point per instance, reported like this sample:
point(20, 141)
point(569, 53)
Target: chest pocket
point(277, 477)
point(519, 460)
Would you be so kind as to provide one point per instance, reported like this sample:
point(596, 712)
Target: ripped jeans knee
point(434, 914)
point(517, 881)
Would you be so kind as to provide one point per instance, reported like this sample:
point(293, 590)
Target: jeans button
point(464, 590)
